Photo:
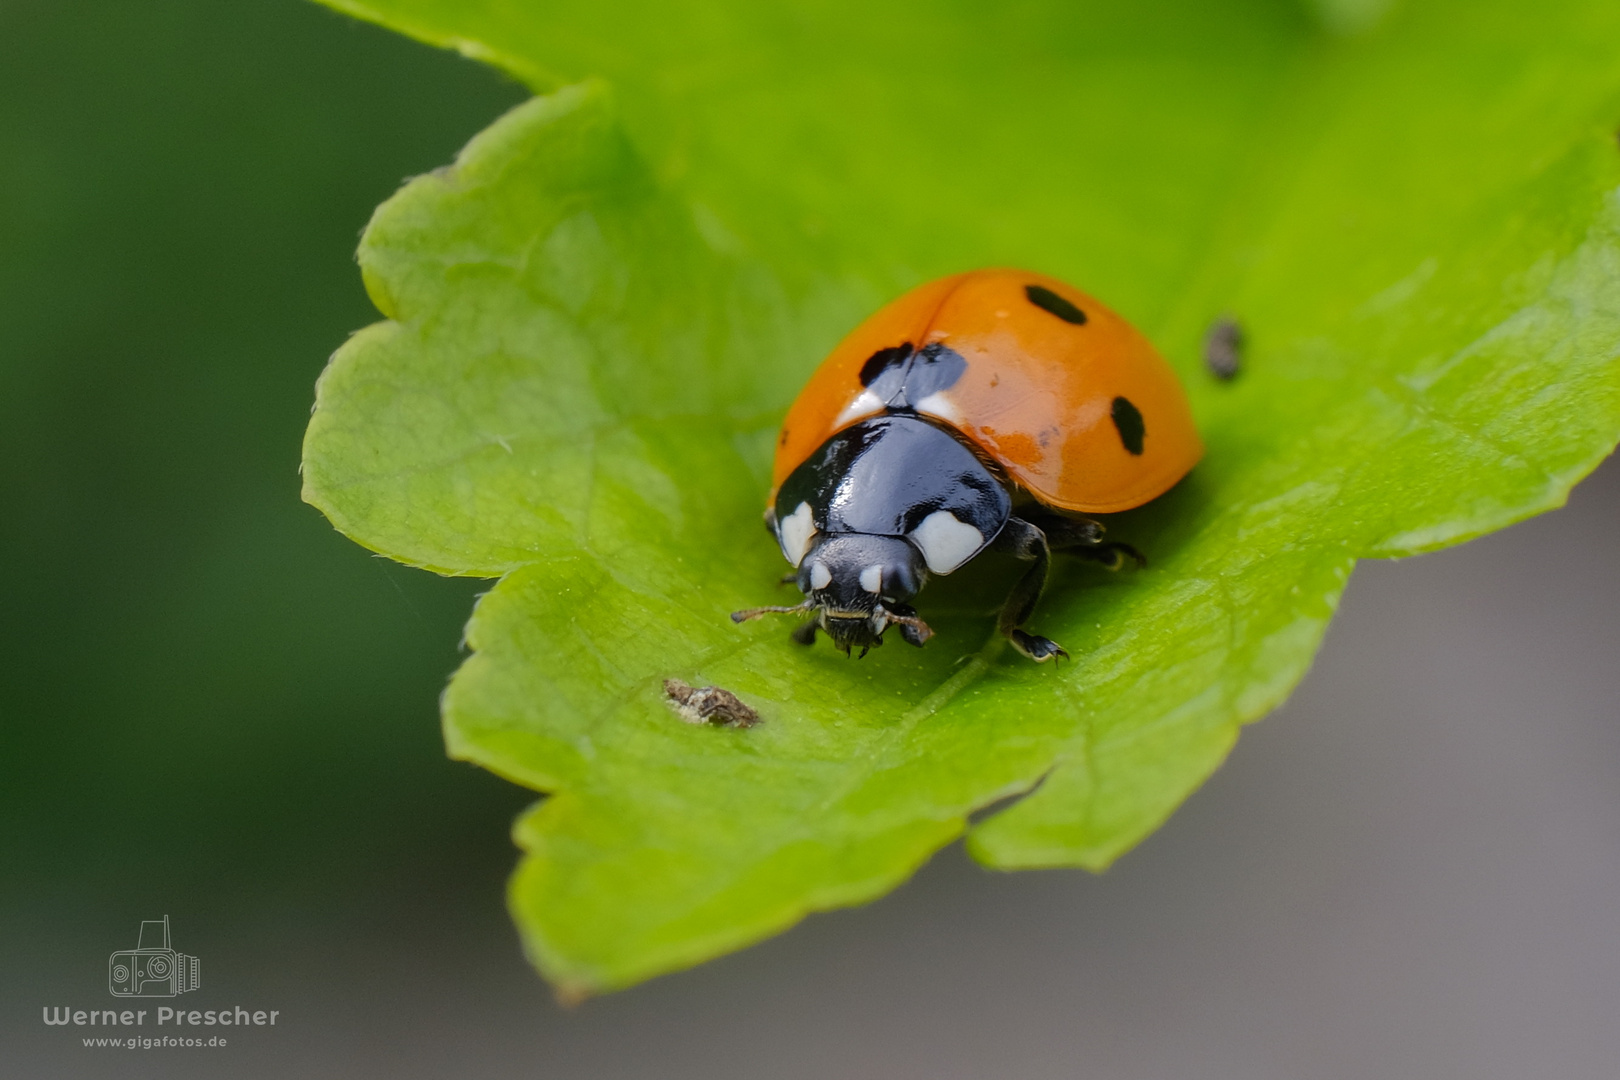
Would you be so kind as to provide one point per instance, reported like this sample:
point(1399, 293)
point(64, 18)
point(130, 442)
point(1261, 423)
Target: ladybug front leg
point(1023, 540)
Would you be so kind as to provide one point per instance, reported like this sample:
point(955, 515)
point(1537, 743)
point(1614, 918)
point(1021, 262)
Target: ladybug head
point(856, 584)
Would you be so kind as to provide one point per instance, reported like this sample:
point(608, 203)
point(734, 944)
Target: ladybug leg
point(1070, 533)
point(806, 634)
point(1084, 537)
point(1112, 556)
point(1026, 541)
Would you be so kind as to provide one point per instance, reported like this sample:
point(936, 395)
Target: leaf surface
point(597, 316)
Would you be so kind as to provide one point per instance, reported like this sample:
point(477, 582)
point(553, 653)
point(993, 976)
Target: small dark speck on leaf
point(708, 705)
point(1223, 347)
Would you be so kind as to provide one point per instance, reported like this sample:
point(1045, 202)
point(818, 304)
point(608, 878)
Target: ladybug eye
point(1050, 302)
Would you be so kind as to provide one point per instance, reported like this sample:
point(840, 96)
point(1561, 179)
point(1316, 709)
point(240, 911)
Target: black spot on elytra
point(900, 377)
point(1051, 302)
point(1129, 422)
point(883, 360)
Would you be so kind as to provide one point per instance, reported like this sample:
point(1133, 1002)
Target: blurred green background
point(214, 707)
point(209, 695)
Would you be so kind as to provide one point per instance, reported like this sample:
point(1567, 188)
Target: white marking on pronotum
point(820, 576)
point(864, 404)
point(794, 532)
point(946, 543)
point(940, 406)
point(872, 579)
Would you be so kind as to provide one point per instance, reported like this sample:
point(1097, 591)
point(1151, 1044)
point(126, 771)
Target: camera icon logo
point(152, 968)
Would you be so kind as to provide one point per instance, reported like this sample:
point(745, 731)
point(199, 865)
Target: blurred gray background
point(214, 707)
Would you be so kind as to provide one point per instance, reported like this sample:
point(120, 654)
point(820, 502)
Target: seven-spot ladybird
point(963, 401)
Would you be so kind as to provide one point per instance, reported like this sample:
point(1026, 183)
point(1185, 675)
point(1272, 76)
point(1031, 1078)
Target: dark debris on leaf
point(708, 705)
point(1223, 347)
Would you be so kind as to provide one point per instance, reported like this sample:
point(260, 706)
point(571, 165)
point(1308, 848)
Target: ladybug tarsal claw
point(1037, 648)
point(1113, 556)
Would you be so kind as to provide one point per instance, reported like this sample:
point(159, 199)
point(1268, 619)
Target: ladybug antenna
point(754, 613)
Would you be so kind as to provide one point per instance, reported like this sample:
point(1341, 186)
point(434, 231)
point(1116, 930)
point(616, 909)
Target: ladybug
point(992, 408)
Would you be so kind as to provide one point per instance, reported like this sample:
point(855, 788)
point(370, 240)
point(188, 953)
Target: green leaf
point(597, 316)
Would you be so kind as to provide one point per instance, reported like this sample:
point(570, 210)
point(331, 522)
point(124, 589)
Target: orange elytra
point(1037, 395)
